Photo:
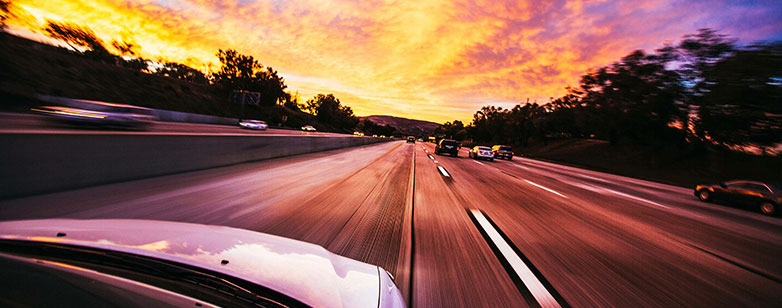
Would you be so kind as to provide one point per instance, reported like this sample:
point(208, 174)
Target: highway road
point(463, 233)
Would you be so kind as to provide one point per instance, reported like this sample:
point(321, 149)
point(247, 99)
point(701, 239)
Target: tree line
point(702, 91)
point(237, 72)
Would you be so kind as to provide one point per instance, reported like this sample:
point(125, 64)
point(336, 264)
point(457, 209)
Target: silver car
point(146, 263)
point(481, 152)
point(253, 124)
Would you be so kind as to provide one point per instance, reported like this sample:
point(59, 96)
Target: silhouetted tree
point(634, 99)
point(453, 130)
point(182, 72)
point(329, 110)
point(5, 12)
point(370, 128)
point(243, 72)
point(82, 36)
point(124, 48)
point(292, 101)
point(237, 70)
point(740, 98)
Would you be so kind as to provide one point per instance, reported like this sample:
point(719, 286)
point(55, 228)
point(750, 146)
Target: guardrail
point(41, 163)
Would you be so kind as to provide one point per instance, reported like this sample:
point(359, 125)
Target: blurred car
point(146, 263)
point(254, 124)
point(447, 146)
point(481, 152)
point(761, 196)
point(360, 134)
point(411, 139)
point(502, 151)
point(308, 128)
point(85, 112)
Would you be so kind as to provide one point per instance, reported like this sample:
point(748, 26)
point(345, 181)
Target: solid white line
point(601, 190)
point(544, 298)
point(442, 170)
point(594, 178)
point(547, 189)
point(636, 198)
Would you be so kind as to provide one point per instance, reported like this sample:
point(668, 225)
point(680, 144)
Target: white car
point(86, 112)
point(254, 124)
point(147, 263)
point(308, 128)
point(481, 152)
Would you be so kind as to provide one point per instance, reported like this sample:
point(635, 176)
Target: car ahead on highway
point(411, 139)
point(447, 146)
point(253, 124)
point(94, 113)
point(308, 128)
point(481, 152)
point(502, 151)
point(145, 263)
point(761, 196)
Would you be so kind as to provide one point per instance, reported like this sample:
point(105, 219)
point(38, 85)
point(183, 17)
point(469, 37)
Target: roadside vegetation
point(701, 109)
point(89, 68)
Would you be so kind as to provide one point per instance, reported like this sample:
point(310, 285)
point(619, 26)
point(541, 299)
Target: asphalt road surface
point(463, 233)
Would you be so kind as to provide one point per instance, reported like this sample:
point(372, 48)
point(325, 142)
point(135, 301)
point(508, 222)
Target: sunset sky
point(423, 59)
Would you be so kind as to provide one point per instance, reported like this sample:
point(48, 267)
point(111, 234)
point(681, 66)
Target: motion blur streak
point(597, 249)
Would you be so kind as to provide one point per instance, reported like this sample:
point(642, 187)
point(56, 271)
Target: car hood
point(304, 271)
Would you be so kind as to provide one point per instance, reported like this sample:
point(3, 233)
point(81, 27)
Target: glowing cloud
point(425, 59)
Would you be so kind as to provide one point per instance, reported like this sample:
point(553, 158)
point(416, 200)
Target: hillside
point(404, 126)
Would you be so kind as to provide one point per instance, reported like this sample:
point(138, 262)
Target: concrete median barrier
point(39, 163)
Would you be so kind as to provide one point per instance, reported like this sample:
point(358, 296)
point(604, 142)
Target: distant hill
point(405, 126)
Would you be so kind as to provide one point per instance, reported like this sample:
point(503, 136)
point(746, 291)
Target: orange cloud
point(428, 59)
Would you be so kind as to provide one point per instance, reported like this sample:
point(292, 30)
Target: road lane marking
point(431, 157)
point(529, 279)
point(636, 198)
point(443, 172)
point(522, 167)
point(546, 189)
point(479, 162)
point(602, 190)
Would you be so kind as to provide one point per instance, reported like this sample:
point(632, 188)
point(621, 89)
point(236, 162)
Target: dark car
point(762, 196)
point(447, 146)
point(502, 151)
point(411, 139)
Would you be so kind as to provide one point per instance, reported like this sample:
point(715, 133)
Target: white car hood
point(306, 272)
